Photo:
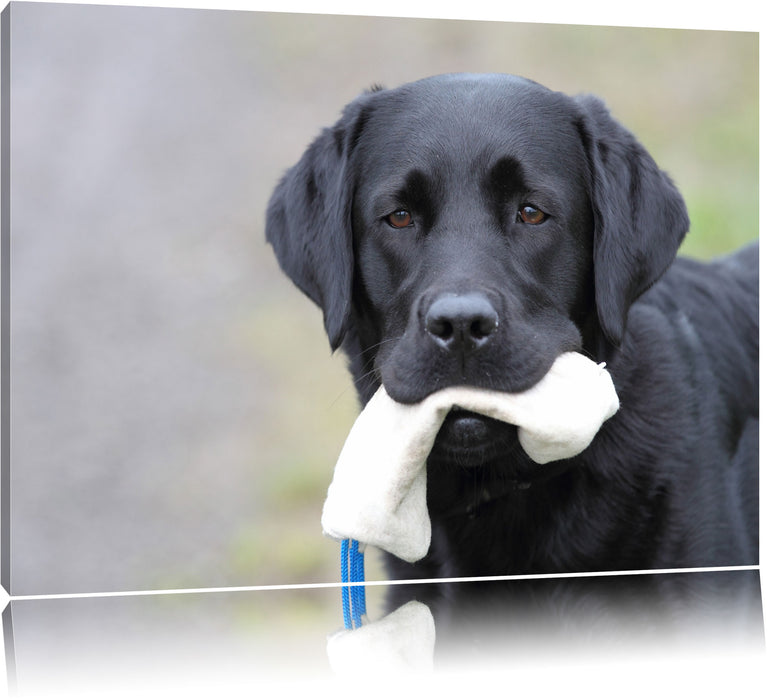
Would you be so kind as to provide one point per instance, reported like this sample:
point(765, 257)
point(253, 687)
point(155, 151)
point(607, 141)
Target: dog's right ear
point(309, 220)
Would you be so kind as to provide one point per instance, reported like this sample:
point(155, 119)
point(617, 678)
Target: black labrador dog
point(468, 229)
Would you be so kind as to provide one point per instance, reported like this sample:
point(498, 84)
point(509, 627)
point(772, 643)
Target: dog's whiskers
point(375, 346)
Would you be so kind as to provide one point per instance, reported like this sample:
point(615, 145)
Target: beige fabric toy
point(402, 641)
point(378, 493)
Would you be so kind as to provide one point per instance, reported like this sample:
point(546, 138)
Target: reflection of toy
point(378, 493)
point(402, 641)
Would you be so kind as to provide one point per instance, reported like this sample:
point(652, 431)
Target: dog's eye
point(531, 215)
point(400, 218)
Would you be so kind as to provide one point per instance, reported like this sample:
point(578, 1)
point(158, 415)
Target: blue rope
point(345, 589)
point(352, 571)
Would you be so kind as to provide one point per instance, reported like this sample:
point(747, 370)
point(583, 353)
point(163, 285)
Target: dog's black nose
point(461, 322)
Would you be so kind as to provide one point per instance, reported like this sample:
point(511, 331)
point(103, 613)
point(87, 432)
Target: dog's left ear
point(308, 221)
point(640, 217)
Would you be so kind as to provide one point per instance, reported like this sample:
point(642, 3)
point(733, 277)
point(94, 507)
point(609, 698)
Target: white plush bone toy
point(378, 493)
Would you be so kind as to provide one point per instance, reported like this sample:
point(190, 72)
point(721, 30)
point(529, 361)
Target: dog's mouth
point(470, 439)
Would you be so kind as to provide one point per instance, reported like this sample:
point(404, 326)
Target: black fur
point(672, 479)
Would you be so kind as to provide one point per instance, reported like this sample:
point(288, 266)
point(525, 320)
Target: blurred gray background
point(176, 411)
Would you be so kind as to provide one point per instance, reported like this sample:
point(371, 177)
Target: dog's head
point(468, 229)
